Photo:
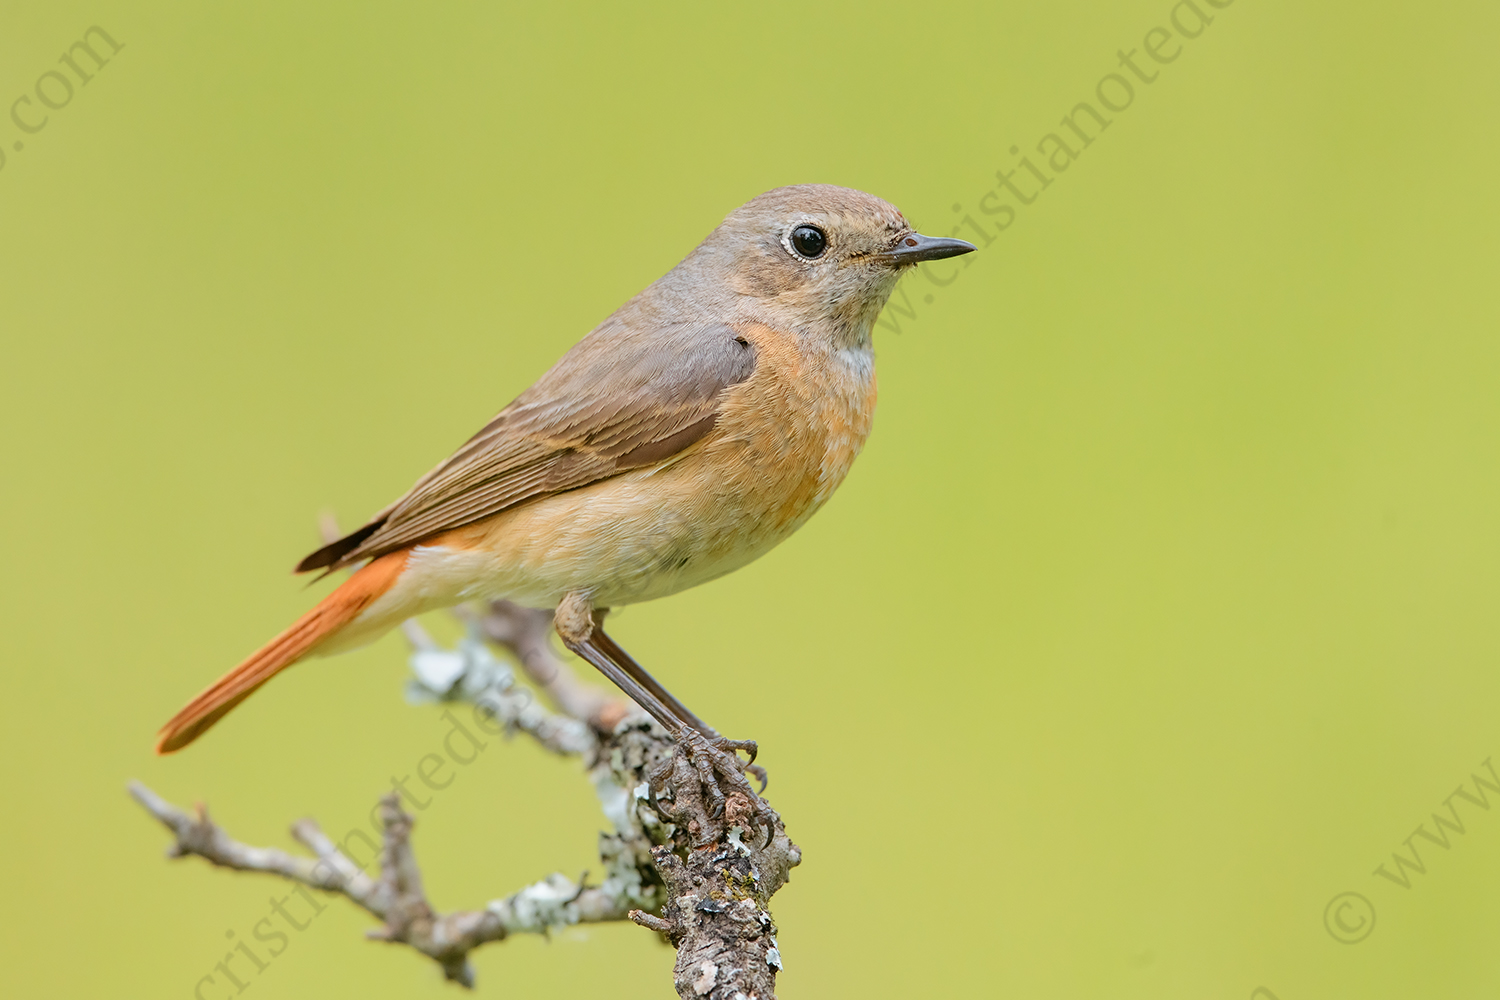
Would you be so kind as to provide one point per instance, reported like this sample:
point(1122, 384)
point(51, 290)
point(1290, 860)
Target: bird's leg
point(575, 626)
point(578, 626)
point(685, 715)
point(627, 663)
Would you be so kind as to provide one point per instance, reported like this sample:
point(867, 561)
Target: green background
point(1159, 610)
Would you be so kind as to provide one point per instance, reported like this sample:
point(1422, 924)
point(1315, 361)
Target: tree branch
point(671, 864)
point(527, 634)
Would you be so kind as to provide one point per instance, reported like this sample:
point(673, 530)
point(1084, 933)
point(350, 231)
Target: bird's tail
point(334, 612)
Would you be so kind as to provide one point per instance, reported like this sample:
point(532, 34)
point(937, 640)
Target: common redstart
point(691, 431)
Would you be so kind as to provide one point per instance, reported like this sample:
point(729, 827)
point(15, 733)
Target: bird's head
point(819, 259)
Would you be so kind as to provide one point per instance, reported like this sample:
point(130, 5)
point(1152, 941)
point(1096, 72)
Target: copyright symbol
point(1349, 918)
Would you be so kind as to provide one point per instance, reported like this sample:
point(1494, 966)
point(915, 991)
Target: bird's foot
point(721, 773)
point(733, 748)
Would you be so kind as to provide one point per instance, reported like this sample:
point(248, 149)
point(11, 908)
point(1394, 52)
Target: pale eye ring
point(810, 242)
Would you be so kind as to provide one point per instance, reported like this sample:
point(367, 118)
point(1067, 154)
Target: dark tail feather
point(330, 554)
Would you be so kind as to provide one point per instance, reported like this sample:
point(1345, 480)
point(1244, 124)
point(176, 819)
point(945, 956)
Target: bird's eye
point(809, 241)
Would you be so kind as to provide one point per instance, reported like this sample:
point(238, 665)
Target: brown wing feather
point(621, 399)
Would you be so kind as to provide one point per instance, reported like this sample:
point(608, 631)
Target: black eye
point(809, 241)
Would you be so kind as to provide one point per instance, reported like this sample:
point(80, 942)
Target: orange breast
point(787, 436)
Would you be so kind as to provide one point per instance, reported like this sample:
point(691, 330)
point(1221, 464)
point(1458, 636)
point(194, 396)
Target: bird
point(690, 432)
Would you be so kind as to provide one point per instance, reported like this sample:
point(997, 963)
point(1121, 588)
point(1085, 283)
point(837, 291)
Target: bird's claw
point(720, 768)
point(735, 746)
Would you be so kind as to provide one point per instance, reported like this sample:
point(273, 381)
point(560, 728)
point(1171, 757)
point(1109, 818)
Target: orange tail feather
point(331, 614)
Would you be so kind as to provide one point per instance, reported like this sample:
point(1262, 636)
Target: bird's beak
point(914, 247)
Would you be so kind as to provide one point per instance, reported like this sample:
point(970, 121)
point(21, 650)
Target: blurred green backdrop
point(1159, 610)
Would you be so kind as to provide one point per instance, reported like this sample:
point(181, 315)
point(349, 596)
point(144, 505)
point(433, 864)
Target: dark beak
point(914, 247)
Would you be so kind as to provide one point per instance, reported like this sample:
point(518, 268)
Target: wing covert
point(621, 399)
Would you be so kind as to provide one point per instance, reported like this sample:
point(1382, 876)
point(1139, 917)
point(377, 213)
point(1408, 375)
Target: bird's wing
point(619, 400)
